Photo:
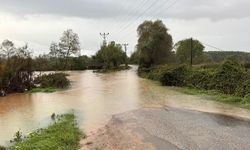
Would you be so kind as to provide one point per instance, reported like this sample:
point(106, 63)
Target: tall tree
point(154, 44)
point(183, 51)
point(69, 44)
point(111, 56)
point(7, 49)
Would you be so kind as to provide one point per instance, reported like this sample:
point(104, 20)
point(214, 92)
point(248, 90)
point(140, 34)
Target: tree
point(54, 50)
point(69, 44)
point(154, 44)
point(16, 70)
point(111, 56)
point(7, 49)
point(134, 58)
point(183, 51)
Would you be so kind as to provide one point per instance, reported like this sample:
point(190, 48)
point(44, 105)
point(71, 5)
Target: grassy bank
point(44, 90)
point(63, 134)
point(217, 96)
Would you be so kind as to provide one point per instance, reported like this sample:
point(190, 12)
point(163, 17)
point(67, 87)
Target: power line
point(138, 17)
point(130, 14)
point(161, 6)
point(213, 47)
point(125, 48)
point(171, 5)
point(104, 36)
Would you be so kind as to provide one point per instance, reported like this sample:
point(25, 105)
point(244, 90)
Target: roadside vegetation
point(227, 78)
point(63, 134)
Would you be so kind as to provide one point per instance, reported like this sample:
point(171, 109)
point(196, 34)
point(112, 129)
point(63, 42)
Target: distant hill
point(219, 56)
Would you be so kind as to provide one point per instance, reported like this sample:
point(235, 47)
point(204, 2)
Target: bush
point(200, 78)
point(56, 80)
point(175, 76)
point(247, 65)
point(243, 89)
point(2, 148)
point(228, 76)
point(156, 73)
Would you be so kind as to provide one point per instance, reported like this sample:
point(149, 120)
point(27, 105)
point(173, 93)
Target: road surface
point(171, 128)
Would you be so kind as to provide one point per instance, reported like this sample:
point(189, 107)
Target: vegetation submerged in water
point(44, 90)
point(55, 80)
point(113, 69)
point(63, 134)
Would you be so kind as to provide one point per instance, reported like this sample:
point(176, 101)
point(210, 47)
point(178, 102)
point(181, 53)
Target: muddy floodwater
point(95, 98)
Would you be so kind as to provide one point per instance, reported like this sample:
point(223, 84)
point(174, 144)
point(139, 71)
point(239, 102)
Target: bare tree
point(69, 44)
point(54, 50)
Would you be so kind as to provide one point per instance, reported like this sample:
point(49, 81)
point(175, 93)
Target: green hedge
point(175, 76)
point(200, 78)
point(228, 78)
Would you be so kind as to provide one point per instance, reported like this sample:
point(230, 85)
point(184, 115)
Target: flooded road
point(95, 98)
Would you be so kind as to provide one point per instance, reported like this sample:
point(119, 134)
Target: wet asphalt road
point(170, 128)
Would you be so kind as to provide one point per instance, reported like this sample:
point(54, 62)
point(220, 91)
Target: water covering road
point(95, 98)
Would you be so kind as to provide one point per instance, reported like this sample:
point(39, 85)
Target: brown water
point(95, 98)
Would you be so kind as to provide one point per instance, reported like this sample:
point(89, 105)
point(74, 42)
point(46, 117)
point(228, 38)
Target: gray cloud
point(71, 8)
point(211, 9)
point(183, 9)
point(222, 23)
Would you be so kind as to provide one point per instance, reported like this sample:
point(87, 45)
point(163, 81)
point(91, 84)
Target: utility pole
point(191, 51)
point(104, 36)
point(125, 47)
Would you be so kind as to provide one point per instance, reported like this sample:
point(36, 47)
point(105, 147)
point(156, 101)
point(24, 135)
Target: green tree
point(111, 56)
point(134, 58)
point(154, 44)
point(69, 44)
point(16, 69)
point(183, 51)
point(7, 49)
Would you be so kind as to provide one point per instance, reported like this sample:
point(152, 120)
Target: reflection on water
point(95, 98)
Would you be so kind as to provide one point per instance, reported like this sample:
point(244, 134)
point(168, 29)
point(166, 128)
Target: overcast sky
point(221, 23)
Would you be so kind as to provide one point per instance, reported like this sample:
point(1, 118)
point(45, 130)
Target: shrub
point(56, 80)
point(175, 76)
point(2, 148)
point(157, 72)
point(228, 76)
point(200, 78)
point(247, 65)
point(243, 89)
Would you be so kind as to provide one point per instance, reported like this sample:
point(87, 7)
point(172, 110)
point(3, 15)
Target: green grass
point(217, 96)
point(43, 90)
point(63, 134)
